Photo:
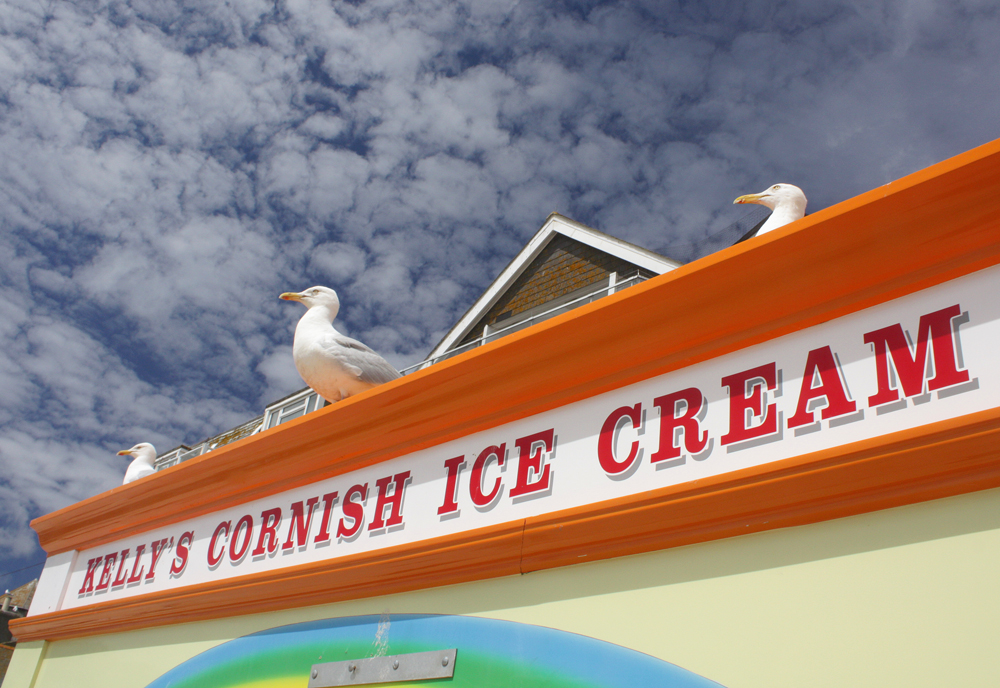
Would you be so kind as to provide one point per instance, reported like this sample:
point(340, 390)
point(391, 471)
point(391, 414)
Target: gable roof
point(555, 226)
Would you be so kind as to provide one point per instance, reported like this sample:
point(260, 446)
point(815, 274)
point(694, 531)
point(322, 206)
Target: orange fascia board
point(927, 462)
point(927, 228)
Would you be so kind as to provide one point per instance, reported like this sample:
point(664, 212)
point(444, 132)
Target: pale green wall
point(904, 597)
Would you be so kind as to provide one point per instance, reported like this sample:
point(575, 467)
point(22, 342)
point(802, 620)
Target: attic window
point(290, 408)
point(171, 458)
point(549, 309)
point(179, 455)
point(564, 303)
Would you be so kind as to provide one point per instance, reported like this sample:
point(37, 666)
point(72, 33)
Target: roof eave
point(554, 224)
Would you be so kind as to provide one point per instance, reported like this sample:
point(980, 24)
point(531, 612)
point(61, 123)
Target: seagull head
point(143, 450)
point(315, 296)
point(780, 196)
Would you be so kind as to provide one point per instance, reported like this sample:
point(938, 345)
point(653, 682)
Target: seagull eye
point(775, 187)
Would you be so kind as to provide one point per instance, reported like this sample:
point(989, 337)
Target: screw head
point(395, 664)
point(315, 673)
point(444, 661)
point(352, 668)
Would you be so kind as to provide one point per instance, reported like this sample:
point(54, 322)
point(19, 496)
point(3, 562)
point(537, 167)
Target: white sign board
point(920, 359)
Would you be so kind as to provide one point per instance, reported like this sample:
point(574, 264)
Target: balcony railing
point(529, 321)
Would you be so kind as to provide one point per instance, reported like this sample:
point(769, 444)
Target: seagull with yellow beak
point(787, 202)
point(335, 366)
point(145, 455)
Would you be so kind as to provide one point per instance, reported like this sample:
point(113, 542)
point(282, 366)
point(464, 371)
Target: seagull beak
point(291, 296)
point(125, 452)
point(749, 198)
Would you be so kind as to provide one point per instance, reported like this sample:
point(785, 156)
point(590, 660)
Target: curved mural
point(491, 654)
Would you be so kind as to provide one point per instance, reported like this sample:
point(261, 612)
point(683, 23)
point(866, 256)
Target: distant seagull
point(335, 366)
point(145, 455)
point(786, 200)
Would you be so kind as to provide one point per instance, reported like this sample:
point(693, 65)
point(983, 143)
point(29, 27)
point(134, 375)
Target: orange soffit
point(802, 375)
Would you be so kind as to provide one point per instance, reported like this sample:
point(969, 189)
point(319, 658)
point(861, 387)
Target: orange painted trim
point(927, 228)
point(939, 460)
point(927, 462)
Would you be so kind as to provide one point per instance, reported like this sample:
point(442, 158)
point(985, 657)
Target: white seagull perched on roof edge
point(145, 455)
point(335, 366)
point(786, 200)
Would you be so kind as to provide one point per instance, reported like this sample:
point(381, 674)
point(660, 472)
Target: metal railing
point(528, 322)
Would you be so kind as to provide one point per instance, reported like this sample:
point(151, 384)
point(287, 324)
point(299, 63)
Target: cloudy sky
point(168, 167)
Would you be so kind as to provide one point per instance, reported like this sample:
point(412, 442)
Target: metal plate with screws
point(415, 666)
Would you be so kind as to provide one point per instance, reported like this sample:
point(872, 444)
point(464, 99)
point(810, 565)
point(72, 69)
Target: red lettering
point(609, 438)
point(353, 510)
point(213, 558)
point(156, 549)
point(300, 522)
point(269, 520)
point(454, 467)
point(180, 561)
point(244, 525)
point(935, 328)
point(530, 452)
point(324, 532)
point(109, 565)
point(831, 388)
point(122, 569)
point(88, 580)
point(137, 570)
point(742, 400)
point(479, 468)
point(694, 441)
point(394, 502)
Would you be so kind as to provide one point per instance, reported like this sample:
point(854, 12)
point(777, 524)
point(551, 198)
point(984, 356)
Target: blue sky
point(168, 168)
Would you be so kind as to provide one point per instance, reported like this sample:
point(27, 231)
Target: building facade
point(775, 466)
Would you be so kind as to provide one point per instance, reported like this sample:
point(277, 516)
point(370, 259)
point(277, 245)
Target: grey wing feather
point(364, 362)
point(347, 343)
point(378, 370)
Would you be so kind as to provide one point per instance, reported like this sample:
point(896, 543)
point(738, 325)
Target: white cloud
point(339, 262)
point(168, 168)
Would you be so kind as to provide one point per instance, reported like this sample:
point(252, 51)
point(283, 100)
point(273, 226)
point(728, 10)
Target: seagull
point(786, 200)
point(335, 366)
point(144, 454)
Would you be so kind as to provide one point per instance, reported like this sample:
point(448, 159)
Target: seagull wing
point(753, 230)
point(359, 359)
